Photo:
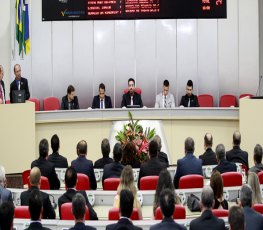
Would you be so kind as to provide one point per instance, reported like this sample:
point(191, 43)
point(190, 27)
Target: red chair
point(22, 212)
point(244, 167)
point(220, 212)
point(111, 184)
point(258, 208)
point(136, 90)
point(179, 213)
point(228, 101)
point(260, 177)
point(114, 214)
point(232, 179)
point(37, 103)
point(83, 182)
point(245, 95)
point(66, 212)
point(7, 101)
point(25, 176)
point(51, 103)
point(191, 181)
point(205, 100)
point(44, 183)
point(148, 182)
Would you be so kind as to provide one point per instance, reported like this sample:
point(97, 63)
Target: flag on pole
point(26, 28)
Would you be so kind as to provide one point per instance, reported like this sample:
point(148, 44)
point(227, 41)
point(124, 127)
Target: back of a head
point(117, 152)
point(164, 181)
point(2, 176)
point(208, 139)
point(216, 183)
point(190, 83)
point(153, 149)
point(127, 178)
point(82, 148)
point(220, 152)
point(167, 202)
point(6, 215)
point(236, 138)
point(105, 147)
point(79, 206)
point(166, 83)
point(126, 203)
point(128, 155)
point(43, 148)
point(70, 177)
point(236, 218)
point(158, 140)
point(189, 145)
point(55, 143)
point(35, 176)
point(246, 196)
point(258, 152)
point(35, 204)
point(207, 197)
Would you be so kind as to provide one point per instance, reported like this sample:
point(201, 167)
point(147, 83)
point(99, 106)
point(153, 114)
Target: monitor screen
point(18, 96)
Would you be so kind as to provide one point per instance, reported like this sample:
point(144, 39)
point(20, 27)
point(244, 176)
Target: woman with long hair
point(253, 181)
point(129, 156)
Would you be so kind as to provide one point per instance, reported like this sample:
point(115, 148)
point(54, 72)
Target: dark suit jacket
point(163, 158)
point(126, 99)
point(96, 102)
point(3, 86)
point(48, 210)
point(36, 226)
point(152, 167)
point(209, 157)
point(112, 170)
point(193, 101)
point(5, 195)
point(82, 226)
point(123, 224)
point(253, 220)
point(225, 166)
point(238, 156)
point(85, 166)
point(99, 164)
point(207, 221)
point(23, 86)
point(187, 165)
point(74, 104)
point(68, 196)
point(167, 224)
point(57, 160)
point(47, 169)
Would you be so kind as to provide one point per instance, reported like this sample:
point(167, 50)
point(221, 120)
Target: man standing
point(209, 156)
point(165, 99)
point(131, 97)
point(19, 83)
point(101, 101)
point(2, 86)
point(189, 100)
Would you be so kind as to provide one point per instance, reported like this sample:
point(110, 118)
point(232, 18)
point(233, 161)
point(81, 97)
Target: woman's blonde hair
point(127, 180)
point(253, 181)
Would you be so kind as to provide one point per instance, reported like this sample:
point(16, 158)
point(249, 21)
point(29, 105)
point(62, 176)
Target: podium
point(17, 138)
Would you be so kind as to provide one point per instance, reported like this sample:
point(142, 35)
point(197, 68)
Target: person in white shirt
point(165, 99)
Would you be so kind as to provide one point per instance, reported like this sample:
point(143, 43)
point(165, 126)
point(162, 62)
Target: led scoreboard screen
point(131, 9)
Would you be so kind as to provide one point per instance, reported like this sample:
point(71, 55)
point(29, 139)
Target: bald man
point(34, 178)
point(209, 156)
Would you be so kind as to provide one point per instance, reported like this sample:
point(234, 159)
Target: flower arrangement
point(133, 132)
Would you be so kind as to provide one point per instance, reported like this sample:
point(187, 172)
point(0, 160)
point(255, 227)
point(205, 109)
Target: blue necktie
point(101, 104)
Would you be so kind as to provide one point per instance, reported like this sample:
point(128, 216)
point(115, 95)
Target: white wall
point(261, 43)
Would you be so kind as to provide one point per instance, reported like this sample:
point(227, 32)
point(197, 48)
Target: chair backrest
point(136, 90)
point(25, 176)
point(111, 184)
point(44, 183)
point(51, 103)
point(260, 177)
point(7, 101)
point(148, 182)
point(83, 182)
point(37, 103)
point(22, 212)
point(220, 212)
point(258, 208)
point(245, 95)
point(232, 179)
point(179, 212)
point(205, 100)
point(66, 212)
point(114, 214)
point(228, 101)
point(191, 181)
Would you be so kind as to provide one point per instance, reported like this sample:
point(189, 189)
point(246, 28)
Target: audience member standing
point(209, 156)
point(258, 152)
point(105, 150)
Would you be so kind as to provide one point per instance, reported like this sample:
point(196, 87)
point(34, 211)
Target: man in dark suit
point(55, 158)
point(47, 169)
point(126, 208)
point(167, 201)
point(35, 210)
point(79, 210)
point(2, 86)
point(113, 170)
point(105, 150)
point(153, 166)
point(189, 100)
point(161, 155)
point(189, 164)
point(5, 194)
point(236, 218)
point(223, 164)
point(70, 101)
point(209, 156)
point(19, 83)
point(48, 210)
point(70, 182)
point(207, 220)
point(236, 154)
point(101, 101)
point(7, 211)
point(131, 97)
point(258, 152)
point(253, 220)
point(83, 165)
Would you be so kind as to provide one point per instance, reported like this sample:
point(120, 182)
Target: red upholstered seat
point(37, 103)
point(260, 177)
point(205, 100)
point(22, 212)
point(44, 183)
point(114, 214)
point(232, 179)
point(228, 101)
point(51, 103)
point(111, 183)
point(191, 181)
point(83, 182)
point(25, 176)
point(220, 212)
point(137, 90)
point(245, 95)
point(179, 213)
point(66, 212)
point(149, 182)
point(258, 208)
